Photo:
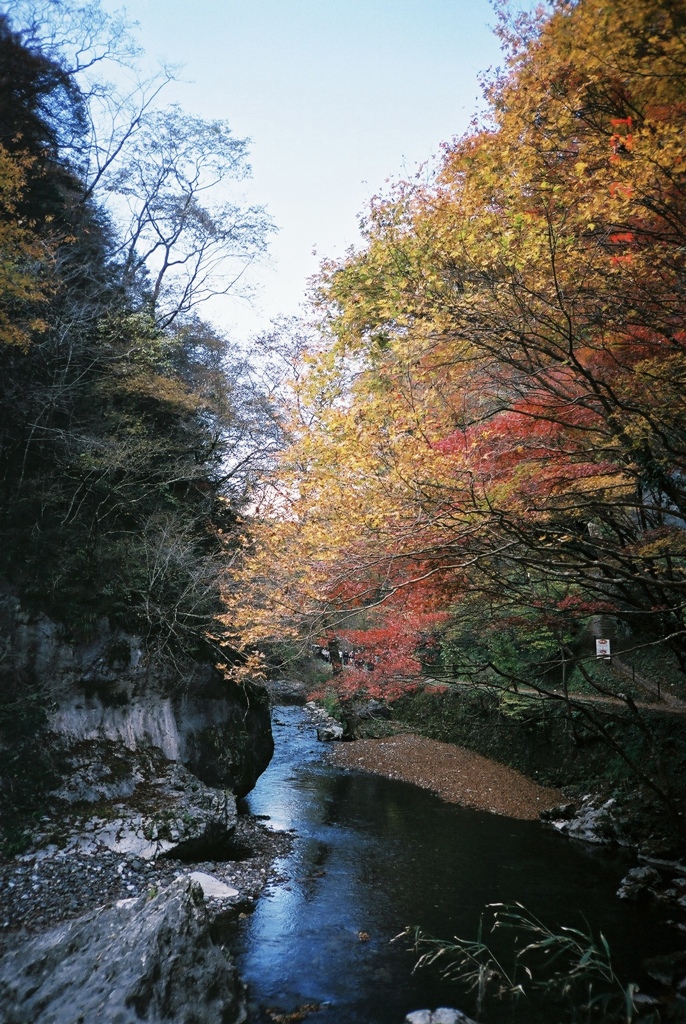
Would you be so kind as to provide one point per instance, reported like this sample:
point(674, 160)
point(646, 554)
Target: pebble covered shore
point(38, 891)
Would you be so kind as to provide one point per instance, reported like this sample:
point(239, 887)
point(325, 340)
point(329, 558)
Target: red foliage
point(579, 606)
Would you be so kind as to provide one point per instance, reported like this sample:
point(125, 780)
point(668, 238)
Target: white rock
point(213, 887)
point(443, 1015)
point(332, 731)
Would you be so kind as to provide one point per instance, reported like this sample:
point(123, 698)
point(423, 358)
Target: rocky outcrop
point(144, 806)
point(146, 959)
point(219, 731)
point(368, 710)
point(287, 691)
point(593, 822)
point(108, 689)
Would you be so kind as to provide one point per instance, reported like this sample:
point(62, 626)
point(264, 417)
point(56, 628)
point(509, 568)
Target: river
point(372, 855)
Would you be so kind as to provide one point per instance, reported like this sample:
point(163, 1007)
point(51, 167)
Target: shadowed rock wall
point(109, 688)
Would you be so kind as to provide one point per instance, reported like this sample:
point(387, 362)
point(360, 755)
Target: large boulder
point(147, 959)
point(143, 805)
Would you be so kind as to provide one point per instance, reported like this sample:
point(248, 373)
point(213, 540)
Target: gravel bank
point(457, 775)
point(38, 891)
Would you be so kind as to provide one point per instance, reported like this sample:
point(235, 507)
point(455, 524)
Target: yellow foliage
point(24, 260)
point(506, 352)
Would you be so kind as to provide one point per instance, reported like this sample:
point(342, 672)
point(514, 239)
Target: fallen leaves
point(281, 1017)
point(457, 775)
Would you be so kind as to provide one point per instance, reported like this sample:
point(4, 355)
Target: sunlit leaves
point(24, 260)
point(498, 394)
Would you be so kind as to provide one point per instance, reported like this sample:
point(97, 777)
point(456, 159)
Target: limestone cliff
point(61, 695)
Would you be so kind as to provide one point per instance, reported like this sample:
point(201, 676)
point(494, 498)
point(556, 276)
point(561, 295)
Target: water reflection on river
point(373, 855)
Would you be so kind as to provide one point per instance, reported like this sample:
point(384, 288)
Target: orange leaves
point(620, 189)
point(620, 143)
point(576, 604)
point(537, 450)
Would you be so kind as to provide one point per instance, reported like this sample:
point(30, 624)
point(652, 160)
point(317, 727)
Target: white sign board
point(602, 648)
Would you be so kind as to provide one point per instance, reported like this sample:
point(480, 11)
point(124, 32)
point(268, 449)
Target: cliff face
point(61, 696)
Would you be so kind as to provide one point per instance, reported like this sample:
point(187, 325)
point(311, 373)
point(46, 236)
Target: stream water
point(372, 855)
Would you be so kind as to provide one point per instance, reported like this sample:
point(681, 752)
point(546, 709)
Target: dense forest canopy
point(129, 426)
point(485, 425)
point(488, 437)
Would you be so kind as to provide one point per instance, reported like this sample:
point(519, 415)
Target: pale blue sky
point(337, 96)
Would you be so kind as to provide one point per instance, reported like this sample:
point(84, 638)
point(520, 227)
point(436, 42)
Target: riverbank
point(457, 775)
point(41, 889)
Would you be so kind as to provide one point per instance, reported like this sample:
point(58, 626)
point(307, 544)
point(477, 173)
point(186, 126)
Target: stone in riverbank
point(443, 1015)
point(330, 733)
point(142, 960)
point(595, 821)
point(639, 881)
point(212, 887)
point(328, 729)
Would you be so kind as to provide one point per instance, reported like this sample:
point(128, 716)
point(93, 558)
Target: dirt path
point(457, 775)
point(620, 667)
point(667, 703)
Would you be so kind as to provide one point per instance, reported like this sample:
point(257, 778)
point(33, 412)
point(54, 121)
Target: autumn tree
point(129, 427)
point(496, 400)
